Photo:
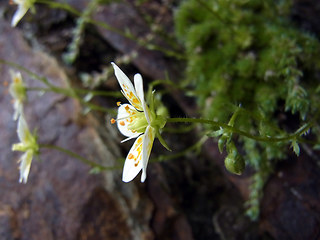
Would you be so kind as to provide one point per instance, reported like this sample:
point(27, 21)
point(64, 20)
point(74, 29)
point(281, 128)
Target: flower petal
point(148, 138)
point(127, 88)
point(25, 165)
point(126, 115)
point(138, 84)
point(133, 163)
point(23, 130)
point(18, 109)
point(21, 11)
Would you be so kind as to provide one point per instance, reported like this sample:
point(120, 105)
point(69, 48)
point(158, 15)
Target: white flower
point(23, 7)
point(135, 121)
point(18, 92)
point(28, 145)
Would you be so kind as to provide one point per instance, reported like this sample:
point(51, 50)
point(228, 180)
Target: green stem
point(240, 132)
point(98, 108)
point(166, 82)
point(77, 90)
point(31, 74)
point(106, 26)
point(71, 93)
point(182, 153)
point(183, 129)
point(78, 157)
point(139, 41)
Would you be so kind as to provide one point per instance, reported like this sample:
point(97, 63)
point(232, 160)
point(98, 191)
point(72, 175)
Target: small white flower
point(28, 145)
point(135, 121)
point(18, 92)
point(23, 7)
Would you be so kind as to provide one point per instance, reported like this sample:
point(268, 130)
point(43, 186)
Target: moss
point(248, 53)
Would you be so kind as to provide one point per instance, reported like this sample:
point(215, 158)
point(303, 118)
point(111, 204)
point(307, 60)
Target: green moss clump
point(248, 53)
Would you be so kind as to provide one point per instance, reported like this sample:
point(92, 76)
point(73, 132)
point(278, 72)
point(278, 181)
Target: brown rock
point(60, 196)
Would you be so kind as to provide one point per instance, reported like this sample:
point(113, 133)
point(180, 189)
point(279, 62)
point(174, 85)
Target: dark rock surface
point(60, 198)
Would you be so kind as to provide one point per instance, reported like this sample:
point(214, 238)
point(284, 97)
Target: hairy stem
point(240, 132)
point(78, 157)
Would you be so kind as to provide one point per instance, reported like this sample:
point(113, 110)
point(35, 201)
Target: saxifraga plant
point(249, 54)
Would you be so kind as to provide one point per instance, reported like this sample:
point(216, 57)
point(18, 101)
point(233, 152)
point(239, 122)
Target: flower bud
point(234, 163)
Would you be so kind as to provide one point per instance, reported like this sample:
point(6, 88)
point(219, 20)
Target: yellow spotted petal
point(138, 84)
point(148, 138)
point(126, 115)
point(127, 88)
point(133, 163)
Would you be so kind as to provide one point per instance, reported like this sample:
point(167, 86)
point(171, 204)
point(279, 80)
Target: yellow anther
point(112, 121)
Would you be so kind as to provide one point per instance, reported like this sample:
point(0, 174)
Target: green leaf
point(162, 141)
point(95, 170)
point(221, 142)
point(216, 133)
point(295, 147)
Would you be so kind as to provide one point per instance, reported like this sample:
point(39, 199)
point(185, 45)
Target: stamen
point(112, 120)
point(118, 104)
point(122, 123)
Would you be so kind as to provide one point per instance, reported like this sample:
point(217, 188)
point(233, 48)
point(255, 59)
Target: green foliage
point(248, 52)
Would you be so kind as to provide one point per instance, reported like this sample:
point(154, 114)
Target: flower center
point(134, 120)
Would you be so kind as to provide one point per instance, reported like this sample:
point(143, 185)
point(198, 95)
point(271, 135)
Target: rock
point(60, 195)
point(291, 206)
